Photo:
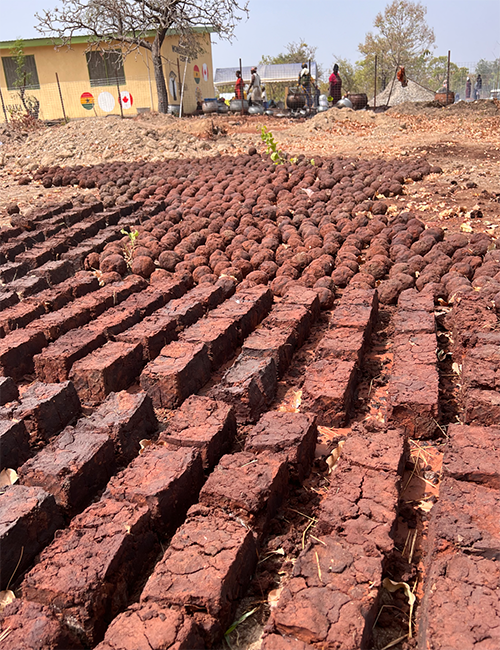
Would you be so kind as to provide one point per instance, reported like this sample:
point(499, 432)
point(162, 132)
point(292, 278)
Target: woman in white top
point(254, 87)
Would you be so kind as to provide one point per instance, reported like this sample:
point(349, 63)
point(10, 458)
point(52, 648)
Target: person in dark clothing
point(468, 87)
point(238, 88)
point(478, 86)
point(335, 85)
point(305, 82)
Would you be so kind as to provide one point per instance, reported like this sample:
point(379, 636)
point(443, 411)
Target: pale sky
point(469, 28)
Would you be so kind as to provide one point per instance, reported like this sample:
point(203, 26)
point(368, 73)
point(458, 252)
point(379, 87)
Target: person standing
point(468, 88)
point(478, 86)
point(335, 85)
point(305, 82)
point(264, 97)
point(238, 88)
point(255, 87)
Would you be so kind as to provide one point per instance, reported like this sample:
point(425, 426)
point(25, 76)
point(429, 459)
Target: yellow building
point(91, 83)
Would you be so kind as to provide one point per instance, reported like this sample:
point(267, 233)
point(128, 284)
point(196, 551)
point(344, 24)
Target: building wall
point(71, 68)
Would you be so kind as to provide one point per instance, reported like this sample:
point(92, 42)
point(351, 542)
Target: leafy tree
point(23, 80)
point(436, 74)
point(402, 38)
point(130, 23)
point(490, 73)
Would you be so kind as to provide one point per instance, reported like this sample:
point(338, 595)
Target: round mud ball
point(379, 207)
point(252, 151)
point(376, 268)
point(364, 279)
point(326, 297)
point(113, 262)
point(143, 266)
point(109, 278)
point(185, 266)
point(245, 284)
point(280, 285)
point(209, 278)
point(228, 285)
point(200, 271)
point(12, 208)
point(220, 267)
point(269, 268)
point(244, 266)
point(436, 289)
point(259, 277)
point(406, 281)
point(458, 284)
point(233, 272)
point(168, 260)
point(140, 251)
point(91, 261)
point(324, 283)
point(422, 246)
point(342, 275)
point(431, 274)
point(388, 291)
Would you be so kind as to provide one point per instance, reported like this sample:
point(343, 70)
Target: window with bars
point(105, 68)
point(28, 76)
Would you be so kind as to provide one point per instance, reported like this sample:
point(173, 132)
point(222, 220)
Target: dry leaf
point(392, 586)
point(8, 477)
point(273, 597)
point(145, 443)
point(456, 368)
point(6, 597)
point(333, 458)
point(425, 506)
point(466, 227)
point(294, 404)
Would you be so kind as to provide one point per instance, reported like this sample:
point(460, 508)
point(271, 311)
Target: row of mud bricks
point(115, 510)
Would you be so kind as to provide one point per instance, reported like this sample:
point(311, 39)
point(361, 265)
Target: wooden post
point(242, 93)
point(60, 97)
point(3, 107)
point(119, 96)
point(375, 84)
point(448, 78)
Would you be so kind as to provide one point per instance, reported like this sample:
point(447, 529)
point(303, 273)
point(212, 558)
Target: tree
point(299, 52)
point(132, 24)
point(403, 38)
point(23, 80)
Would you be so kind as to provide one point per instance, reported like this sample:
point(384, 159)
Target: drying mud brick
point(246, 308)
point(46, 409)
point(110, 369)
point(344, 343)
point(279, 642)
point(207, 567)
point(181, 370)
point(249, 386)
point(297, 317)
point(291, 434)
point(166, 481)
point(328, 390)
point(275, 343)
point(8, 390)
point(55, 272)
point(19, 316)
point(11, 270)
point(411, 322)
point(28, 519)
point(414, 400)
point(7, 299)
point(17, 350)
point(470, 314)
point(357, 309)
point(87, 574)
point(14, 444)
point(126, 418)
point(152, 333)
point(152, 627)
point(72, 467)
point(332, 597)
point(249, 486)
point(220, 335)
point(212, 295)
point(460, 607)
point(307, 298)
point(481, 368)
point(375, 447)
point(25, 625)
point(412, 300)
point(175, 286)
point(411, 349)
point(481, 407)
point(186, 310)
point(204, 423)
point(54, 363)
point(473, 454)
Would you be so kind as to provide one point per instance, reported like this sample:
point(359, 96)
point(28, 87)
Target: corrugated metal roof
point(280, 72)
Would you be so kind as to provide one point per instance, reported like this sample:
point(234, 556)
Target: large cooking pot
point(210, 105)
point(358, 100)
point(256, 109)
point(296, 99)
point(343, 103)
point(235, 106)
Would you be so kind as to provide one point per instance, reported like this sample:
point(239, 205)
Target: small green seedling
point(128, 248)
point(272, 148)
point(236, 623)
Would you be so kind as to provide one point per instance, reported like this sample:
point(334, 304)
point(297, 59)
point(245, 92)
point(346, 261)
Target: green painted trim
point(43, 42)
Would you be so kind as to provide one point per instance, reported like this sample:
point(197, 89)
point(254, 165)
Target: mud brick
point(481, 367)
point(9, 232)
point(108, 369)
point(8, 298)
point(54, 363)
point(470, 314)
point(85, 229)
point(17, 350)
point(8, 390)
point(224, 554)
point(76, 256)
point(220, 335)
point(466, 517)
point(73, 467)
point(153, 333)
point(291, 434)
point(72, 316)
point(279, 642)
point(249, 486)
point(410, 322)
point(177, 285)
point(275, 343)
point(307, 298)
point(249, 386)
point(332, 596)
point(377, 448)
point(410, 349)
point(31, 626)
point(357, 316)
point(14, 444)
point(203, 423)
point(344, 343)
point(211, 295)
point(12, 249)
point(12, 270)
point(111, 295)
point(55, 272)
point(181, 370)
point(473, 454)
point(29, 518)
point(413, 300)
point(246, 308)
point(361, 505)
point(36, 256)
point(151, 627)
point(112, 216)
point(328, 390)
point(29, 286)
point(88, 573)
point(460, 607)
point(185, 310)
point(297, 317)
point(481, 407)
point(19, 316)
point(165, 481)
point(414, 400)
point(126, 418)
point(132, 310)
point(46, 409)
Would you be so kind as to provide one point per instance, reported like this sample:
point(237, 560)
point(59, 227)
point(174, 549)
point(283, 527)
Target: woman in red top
point(238, 88)
point(335, 85)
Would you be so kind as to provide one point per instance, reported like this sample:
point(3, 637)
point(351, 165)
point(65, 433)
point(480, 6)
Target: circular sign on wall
point(196, 74)
point(126, 99)
point(106, 102)
point(87, 101)
point(204, 70)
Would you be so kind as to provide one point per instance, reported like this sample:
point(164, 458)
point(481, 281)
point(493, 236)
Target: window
point(173, 86)
point(105, 68)
point(29, 75)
